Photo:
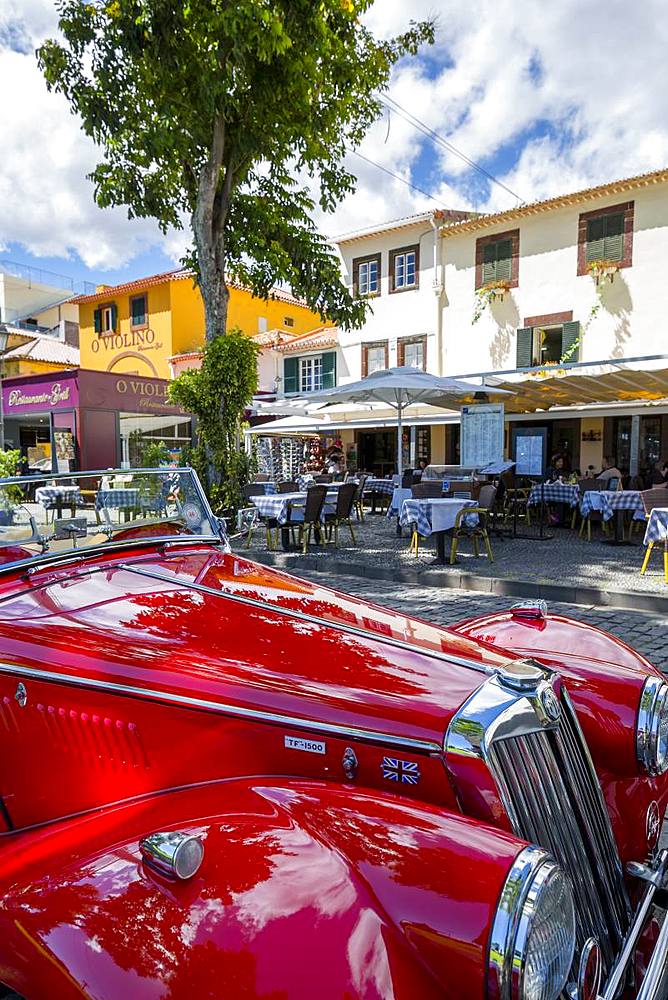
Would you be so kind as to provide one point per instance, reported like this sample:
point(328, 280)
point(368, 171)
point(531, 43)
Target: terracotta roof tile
point(560, 201)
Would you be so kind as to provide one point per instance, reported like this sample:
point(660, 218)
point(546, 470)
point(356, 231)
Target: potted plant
point(603, 270)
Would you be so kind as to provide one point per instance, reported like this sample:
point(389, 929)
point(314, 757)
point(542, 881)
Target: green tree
point(216, 111)
point(217, 394)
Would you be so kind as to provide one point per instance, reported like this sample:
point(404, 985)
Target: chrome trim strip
point(618, 971)
point(303, 616)
point(237, 711)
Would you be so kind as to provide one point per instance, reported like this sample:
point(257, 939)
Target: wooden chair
point(261, 477)
point(656, 497)
point(463, 488)
point(312, 508)
point(325, 477)
point(407, 479)
point(287, 487)
point(594, 516)
point(431, 489)
point(359, 496)
point(252, 490)
point(464, 529)
point(342, 515)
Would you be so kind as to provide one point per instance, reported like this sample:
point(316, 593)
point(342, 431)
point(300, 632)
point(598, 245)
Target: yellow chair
point(475, 533)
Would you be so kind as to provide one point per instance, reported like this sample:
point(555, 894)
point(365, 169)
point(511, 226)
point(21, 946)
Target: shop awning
point(641, 380)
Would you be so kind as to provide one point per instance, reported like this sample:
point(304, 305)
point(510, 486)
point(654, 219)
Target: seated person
point(660, 474)
point(609, 469)
point(556, 470)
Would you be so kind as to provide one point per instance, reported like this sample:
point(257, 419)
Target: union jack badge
point(404, 771)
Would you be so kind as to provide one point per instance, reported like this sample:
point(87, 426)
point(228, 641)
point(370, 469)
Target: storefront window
point(140, 432)
point(650, 444)
point(622, 439)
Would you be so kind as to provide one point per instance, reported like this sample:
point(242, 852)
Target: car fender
point(306, 889)
point(605, 677)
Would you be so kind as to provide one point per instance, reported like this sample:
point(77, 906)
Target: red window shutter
point(401, 354)
point(365, 361)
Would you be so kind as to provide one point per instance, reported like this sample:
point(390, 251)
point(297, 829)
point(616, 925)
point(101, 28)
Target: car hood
point(212, 626)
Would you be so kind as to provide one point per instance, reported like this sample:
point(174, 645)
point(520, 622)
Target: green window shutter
point(138, 311)
point(570, 335)
point(504, 260)
point(614, 237)
point(489, 263)
point(525, 347)
point(114, 317)
point(596, 233)
point(329, 370)
point(97, 320)
point(290, 374)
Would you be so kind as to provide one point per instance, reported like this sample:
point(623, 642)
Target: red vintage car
point(217, 780)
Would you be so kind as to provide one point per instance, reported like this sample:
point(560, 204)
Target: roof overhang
point(635, 380)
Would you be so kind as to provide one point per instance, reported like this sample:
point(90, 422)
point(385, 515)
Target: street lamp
point(4, 337)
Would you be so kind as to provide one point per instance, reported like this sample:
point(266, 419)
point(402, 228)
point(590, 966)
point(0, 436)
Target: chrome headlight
point(533, 934)
point(652, 729)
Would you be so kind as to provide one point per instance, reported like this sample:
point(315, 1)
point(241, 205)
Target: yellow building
point(37, 355)
point(135, 328)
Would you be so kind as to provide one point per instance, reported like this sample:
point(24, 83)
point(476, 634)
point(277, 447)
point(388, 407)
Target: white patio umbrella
point(402, 387)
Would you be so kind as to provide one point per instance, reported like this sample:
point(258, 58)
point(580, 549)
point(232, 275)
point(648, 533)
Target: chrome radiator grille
point(551, 793)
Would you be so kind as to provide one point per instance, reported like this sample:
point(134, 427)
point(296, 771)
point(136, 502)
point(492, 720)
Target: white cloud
point(554, 97)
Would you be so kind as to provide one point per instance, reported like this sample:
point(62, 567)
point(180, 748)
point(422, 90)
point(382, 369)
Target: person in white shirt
point(609, 470)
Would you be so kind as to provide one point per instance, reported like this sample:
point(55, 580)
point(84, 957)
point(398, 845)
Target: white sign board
point(482, 434)
point(529, 457)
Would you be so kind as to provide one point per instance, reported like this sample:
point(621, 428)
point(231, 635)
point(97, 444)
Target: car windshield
point(44, 515)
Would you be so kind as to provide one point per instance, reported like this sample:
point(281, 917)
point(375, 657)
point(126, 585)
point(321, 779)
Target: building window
point(310, 374)
point(105, 319)
point(366, 275)
point(497, 258)
point(548, 345)
point(288, 321)
point(375, 357)
point(262, 324)
point(138, 311)
point(412, 352)
point(404, 268)
point(606, 234)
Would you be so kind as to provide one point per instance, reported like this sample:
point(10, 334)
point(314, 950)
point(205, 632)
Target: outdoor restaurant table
point(120, 499)
point(58, 497)
point(657, 526)
point(376, 486)
point(434, 517)
point(611, 502)
point(276, 508)
point(554, 493)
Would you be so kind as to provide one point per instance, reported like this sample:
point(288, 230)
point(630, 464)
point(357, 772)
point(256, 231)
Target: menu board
point(482, 434)
point(529, 455)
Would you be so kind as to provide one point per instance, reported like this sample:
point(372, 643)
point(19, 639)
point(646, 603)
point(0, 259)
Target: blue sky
point(537, 94)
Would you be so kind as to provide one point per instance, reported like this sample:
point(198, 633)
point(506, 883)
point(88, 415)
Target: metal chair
point(465, 528)
point(312, 508)
point(656, 497)
point(594, 516)
point(342, 515)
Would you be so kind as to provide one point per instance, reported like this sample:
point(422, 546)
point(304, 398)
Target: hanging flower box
point(603, 270)
point(488, 294)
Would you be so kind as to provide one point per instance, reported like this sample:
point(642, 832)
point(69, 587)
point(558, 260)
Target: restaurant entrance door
point(377, 452)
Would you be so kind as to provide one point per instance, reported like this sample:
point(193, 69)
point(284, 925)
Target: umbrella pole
point(400, 448)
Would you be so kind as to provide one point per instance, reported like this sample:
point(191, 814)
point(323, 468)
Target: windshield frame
point(76, 554)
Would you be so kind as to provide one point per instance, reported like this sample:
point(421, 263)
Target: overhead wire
point(426, 130)
point(398, 177)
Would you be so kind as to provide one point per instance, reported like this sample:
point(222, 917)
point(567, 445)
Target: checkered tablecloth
point(433, 515)
point(609, 501)
point(379, 486)
point(554, 493)
point(403, 493)
point(121, 499)
point(51, 497)
point(657, 526)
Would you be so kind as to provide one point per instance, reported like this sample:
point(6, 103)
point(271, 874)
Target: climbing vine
point(485, 296)
point(217, 394)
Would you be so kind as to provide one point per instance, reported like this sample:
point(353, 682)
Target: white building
point(512, 299)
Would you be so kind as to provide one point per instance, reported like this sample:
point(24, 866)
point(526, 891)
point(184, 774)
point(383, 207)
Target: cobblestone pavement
point(646, 632)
